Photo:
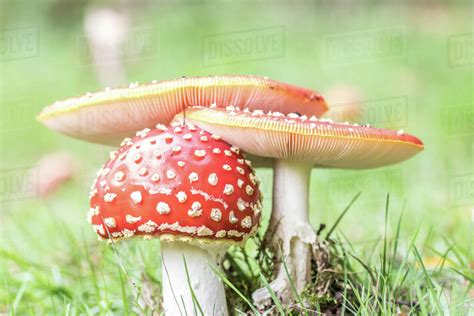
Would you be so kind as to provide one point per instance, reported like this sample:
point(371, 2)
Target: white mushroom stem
point(289, 229)
point(206, 285)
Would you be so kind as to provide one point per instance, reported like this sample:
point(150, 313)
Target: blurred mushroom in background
point(54, 169)
point(106, 31)
point(345, 103)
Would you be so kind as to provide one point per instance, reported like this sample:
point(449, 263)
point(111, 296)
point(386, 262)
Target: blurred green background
point(398, 65)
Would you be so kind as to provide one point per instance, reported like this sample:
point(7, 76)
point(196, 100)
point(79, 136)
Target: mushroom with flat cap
point(298, 143)
point(110, 115)
point(194, 192)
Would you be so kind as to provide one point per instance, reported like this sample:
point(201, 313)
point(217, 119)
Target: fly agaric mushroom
point(298, 143)
point(194, 192)
point(109, 116)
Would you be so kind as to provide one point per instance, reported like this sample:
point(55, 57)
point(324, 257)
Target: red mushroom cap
point(177, 183)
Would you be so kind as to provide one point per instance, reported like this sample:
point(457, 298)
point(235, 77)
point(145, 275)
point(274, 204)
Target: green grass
point(382, 280)
point(373, 262)
point(123, 278)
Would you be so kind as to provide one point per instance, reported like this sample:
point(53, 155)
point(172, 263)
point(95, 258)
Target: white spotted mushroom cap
point(296, 137)
point(110, 115)
point(148, 190)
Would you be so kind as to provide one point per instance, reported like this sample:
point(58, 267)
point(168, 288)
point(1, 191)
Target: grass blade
point(384, 251)
point(126, 308)
point(236, 290)
point(272, 294)
point(293, 287)
point(344, 295)
point(171, 286)
point(397, 236)
point(193, 295)
point(342, 215)
point(464, 275)
point(425, 272)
